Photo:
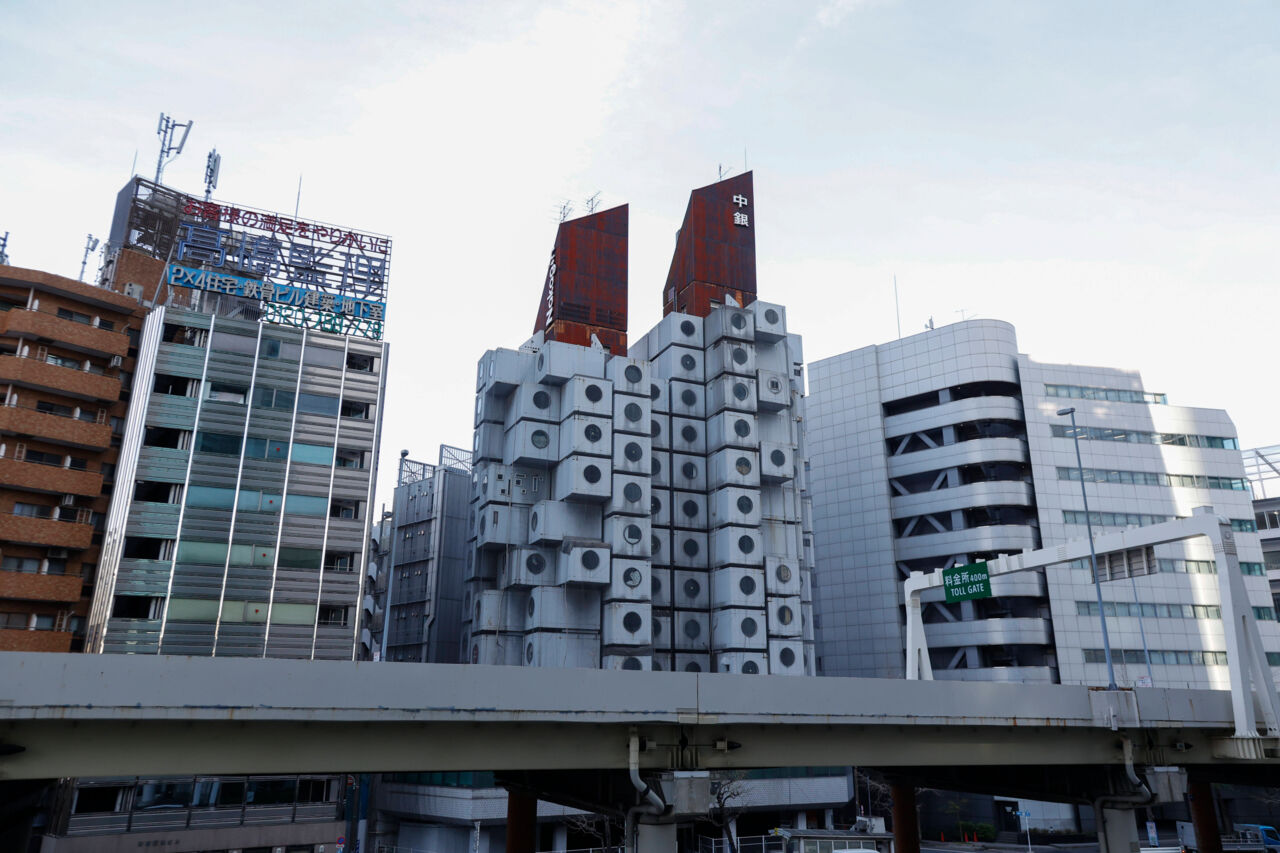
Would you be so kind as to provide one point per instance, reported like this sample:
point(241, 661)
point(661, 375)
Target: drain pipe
point(652, 804)
point(1137, 800)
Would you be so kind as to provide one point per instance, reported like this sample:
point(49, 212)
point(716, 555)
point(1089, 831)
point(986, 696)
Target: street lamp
point(1093, 556)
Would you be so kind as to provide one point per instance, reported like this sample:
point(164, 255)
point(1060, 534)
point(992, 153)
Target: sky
point(1101, 175)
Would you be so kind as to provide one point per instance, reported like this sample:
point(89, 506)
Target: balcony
point(16, 640)
point(58, 429)
point(51, 479)
point(66, 332)
point(27, 586)
point(68, 381)
point(24, 530)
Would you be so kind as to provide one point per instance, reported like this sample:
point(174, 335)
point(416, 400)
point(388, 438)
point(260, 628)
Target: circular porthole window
point(751, 668)
point(482, 525)
point(591, 474)
point(655, 466)
point(746, 544)
point(655, 586)
point(632, 492)
point(745, 504)
point(692, 629)
point(787, 656)
point(689, 434)
point(539, 439)
point(743, 464)
point(692, 588)
point(777, 457)
point(686, 328)
point(688, 362)
point(782, 573)
point(529, 609)
point(654, 391)
point(475, 654)
point(541, 400)
point(633, 374)
point(477, 616)
point(632, 577)
point(528, 653)
point(632, 663)
point(689, 470)
point(785, 615)
point(632, 412)
point(633, 534)
point(692, 666)
point(742, 427)
point(691, 547)
point(771, 316)
point(747, 584)
point(749, 627)
point(655, 545)
point(688, 397)
point(739, 355)
point(633, 451)
point(738, 321)
point(542, 361)
point(740, 390)
point(535, 563)
point(632, 621)
point(655, 505)
point(689, 508)
point(655, 428)
point(592, 433)
point(590, 560)
point(593, 393)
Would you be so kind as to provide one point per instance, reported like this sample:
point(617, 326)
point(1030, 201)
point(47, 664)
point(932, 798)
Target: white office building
point(945, 448)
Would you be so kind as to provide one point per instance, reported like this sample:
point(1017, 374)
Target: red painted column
point(522, 822)
point(906, 823)
point(1204, 817)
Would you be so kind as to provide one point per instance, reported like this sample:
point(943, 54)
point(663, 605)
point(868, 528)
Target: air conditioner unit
point(116, 361)
point(732, 429)
point(581, 565)
point(781, 576)
point(786, 657)
point(629, 536)
point(586, 435)
point(660, 431)
point(630, 580)
point(742, 663)
point(736, 546)
point(531, 402)
point(68, 500)
point(773, 391)
point(785, 616)
point(637, 662)
point(688, 472)
point(732, 393)
point(735, 505)
point(626, 623)
point(630, 496)
point(660, 507)
point(628, 375)
point(586, 395)
point(733, 357)
point(691, 589)
point(632, 454)
point(770, 321)
point(733, 467)
point(737, 586)
point(584, 479)
point(689, 549)
point(684, 363)
point(691, 630)
point(688, 435)
point(631, 414)
point(687, 399)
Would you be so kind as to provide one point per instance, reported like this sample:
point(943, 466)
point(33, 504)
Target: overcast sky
point(1101, 175)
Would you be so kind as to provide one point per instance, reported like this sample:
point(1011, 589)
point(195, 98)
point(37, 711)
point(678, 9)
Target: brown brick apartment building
point(66, 357)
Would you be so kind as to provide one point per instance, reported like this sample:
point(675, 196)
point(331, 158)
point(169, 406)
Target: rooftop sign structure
point(305, 274)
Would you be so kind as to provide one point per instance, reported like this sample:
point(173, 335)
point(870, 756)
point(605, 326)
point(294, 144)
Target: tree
point(597, 826)
point(728, 790)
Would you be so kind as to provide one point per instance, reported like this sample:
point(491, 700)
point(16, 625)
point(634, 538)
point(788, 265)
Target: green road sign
point(962, 583)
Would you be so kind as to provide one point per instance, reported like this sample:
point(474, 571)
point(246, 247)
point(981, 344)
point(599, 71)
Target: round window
point(592, 433)
point(743, 464)
point(482, 525)
point(633, 374)
point(632, 412)
point(770, 316)
point(529, 608)
point(688, 362)
point(657, 667)
point(542, 360)
point(632, 663)
point(751, 668)
point(787, 656)
point(692, 588)
point(655, 467)
point(740, 390)
point(785, 615)
point(593, 393)
point(655, 545)
point(541, 400)
point(688, 397)
point(747, 585)
point(633, 534)
point(632, 577)
point(632, 621)
point(742, 427)
point(528, 653)
point(477, 616)
point(692, 629)
point(655, 585)
point(633, 451)
point(686, 328)
point(591, 474)
point(654, 391)
point(689, 470)
point(655, 428)
point(657, 628)
point(749, 627)
point(777, 457)
point(692, 666)
point(691, 547)
point(689, 434)
point(535, 563)
point(746, 544)
point(590, 560)
point(738, 321)
point(745, 504)
point(689, 508)
point(739, 355)
point(782, 573)
point(632, 492)
point(539, 439)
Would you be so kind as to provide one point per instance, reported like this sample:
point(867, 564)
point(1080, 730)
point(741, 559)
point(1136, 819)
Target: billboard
point(303, 273)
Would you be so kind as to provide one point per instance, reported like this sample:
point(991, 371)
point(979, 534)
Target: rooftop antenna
point(593, 202)
point(89, 245)
point(720, 170)
point(928, 327)
point(4, 244)
point(297, 203)
point(212, 166)
point(166, 130)
point(897, 306)
point(565, 210)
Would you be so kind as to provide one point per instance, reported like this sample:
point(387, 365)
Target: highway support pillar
point(522, 822)
point(1117, 830)
point(1204, 817)
point(655, 837)
point(906, 823)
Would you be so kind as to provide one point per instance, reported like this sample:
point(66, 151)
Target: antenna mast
point(565, 210)
point(166, 130)
point(4, 244)
point(593, 202)
point(89, 245)
point(212, 166)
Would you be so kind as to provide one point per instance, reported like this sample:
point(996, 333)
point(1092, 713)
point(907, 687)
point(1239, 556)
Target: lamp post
point(1093, 556)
